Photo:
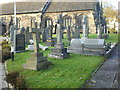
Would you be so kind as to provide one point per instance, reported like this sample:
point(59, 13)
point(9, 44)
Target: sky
point(113, 2)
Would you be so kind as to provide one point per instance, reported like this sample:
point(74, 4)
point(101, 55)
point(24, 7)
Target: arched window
point(48, 21)
point(79, 21)
point(67, 21)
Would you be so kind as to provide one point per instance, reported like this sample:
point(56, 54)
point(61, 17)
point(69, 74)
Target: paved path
point(107, 75)
point(3, 83)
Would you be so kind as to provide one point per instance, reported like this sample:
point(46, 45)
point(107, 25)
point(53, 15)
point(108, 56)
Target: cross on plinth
point(59, 51)
point(37, 60)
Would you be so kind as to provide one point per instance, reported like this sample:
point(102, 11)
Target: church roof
point(22, 7)
point(32, 7)
point(71, 6)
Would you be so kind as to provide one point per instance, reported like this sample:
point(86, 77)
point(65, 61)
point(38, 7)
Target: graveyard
point(62, 73)
point(49, 46)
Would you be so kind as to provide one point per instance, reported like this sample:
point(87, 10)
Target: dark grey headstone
point(20, 42)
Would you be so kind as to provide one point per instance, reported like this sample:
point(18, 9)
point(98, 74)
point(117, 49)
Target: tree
point(110, 12)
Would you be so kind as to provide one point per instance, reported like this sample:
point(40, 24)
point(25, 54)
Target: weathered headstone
point(99, 31)
point(44, 35)
point(72, 32)
point(27, 35)
point(68, 33)
point(104, 26)
point(59, 51)
point(31, 47)
point(37, 60)
point(76, 32)
point(85, 27)
point(49, 39)
point(20, 43)
point(12, 34)
point(10, 23)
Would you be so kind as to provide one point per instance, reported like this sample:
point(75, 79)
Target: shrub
point(6, 54)
point(112, 30)
point(6, 46)
point(4, 42)
point(4, 35)
point(15, 79)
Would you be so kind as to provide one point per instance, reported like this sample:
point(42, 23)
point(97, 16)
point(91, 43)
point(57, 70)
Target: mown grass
point(63, 73)
point(67, 73)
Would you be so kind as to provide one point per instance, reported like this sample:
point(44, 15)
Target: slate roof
point(71, 6)
point(22, 7)
point(30, 7)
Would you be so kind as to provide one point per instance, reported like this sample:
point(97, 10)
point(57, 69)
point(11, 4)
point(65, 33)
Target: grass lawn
point(64, 73)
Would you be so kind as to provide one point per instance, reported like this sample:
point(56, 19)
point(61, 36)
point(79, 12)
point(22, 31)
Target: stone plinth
point(37, 62)
point(59, 53)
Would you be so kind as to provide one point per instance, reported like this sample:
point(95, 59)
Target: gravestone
point(105, 32)
point(76, 32)
point(85, 27)
point(22, 30)
point(50, 41)
point(12, 34)
point(59, 51)
point(68, 33)
point(10, 23)
point(88, 46)
point(99, 31)
point(37, 60)
point(31, 47)
point(44, 35)
point(72, 32)
point(20, 43)
point(27, 35)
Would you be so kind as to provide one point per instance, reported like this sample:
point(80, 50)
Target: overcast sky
point(113, 2)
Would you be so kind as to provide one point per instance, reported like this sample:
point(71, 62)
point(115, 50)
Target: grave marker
point(59, 51)
point(37, 60)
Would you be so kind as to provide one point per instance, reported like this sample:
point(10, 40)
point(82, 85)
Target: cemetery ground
point(71, 72)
